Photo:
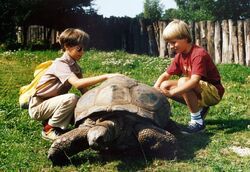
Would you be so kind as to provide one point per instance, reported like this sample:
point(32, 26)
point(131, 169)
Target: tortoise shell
point(127, 95)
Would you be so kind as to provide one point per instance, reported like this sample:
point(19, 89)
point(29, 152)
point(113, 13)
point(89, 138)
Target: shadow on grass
point(123, 161)
point(229, 126)
point(189, 144)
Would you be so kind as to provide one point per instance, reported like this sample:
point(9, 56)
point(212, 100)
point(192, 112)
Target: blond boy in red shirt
point(200, 85)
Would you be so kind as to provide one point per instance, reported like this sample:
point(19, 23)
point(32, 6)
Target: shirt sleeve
point(199, 66)
point(63, 71)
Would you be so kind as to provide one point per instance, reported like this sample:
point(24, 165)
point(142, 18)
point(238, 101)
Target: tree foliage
point(152, 9)
point(197, 10)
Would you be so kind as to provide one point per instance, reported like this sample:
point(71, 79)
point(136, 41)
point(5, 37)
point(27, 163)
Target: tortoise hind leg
point(156, 142)
point(67, 145)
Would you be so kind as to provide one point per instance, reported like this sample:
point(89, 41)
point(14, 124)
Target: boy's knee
point(72, 99)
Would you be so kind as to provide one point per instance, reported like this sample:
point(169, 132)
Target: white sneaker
point(51, 135)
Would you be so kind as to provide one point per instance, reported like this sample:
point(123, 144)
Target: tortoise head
point(103, 133)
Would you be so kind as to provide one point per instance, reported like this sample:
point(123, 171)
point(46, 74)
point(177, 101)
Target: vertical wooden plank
point(156, 26)
point(203, 35)
point(217, 42)
point(247, 41)
point(225, 40)
point(197, 34)
point(28, 35)
point(192, 30)
point(240, 42)
point(230, 41)
point(53, 36)
point(152, 43)
point(163, 44)
point(210, 39)
point(235, 43)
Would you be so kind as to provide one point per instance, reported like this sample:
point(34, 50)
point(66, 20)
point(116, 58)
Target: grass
point(22, 149)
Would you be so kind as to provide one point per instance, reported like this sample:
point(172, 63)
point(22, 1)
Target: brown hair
point(72, 37)
point(177, 29)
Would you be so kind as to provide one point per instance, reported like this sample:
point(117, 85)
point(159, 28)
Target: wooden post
point(197, 34)
point(203, 35)
point(163, 44)
point(210, 39)
point(217, 42)
point(192, 30)
point(247, 41)
point(233, 45)
point(225, 41)
point(152, 43)
point(240, 42)
point(157, 34)
point(143, 36)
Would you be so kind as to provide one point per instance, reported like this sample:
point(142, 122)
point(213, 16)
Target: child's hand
point(157, 88)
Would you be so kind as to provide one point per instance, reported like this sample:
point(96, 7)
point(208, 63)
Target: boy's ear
point(66, 47)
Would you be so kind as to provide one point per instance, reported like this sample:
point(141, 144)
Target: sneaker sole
point(187, 133)
point(47, 138)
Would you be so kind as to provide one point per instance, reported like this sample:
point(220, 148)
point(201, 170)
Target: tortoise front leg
point(156, 142)
point(67, 145)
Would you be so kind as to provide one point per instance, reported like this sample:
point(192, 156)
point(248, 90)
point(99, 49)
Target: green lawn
point(228, 123)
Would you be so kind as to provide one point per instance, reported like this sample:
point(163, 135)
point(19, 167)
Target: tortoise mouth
point(98, 137)
point(103, 132)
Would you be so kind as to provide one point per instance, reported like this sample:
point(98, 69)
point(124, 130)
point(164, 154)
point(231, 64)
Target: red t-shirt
point(197, 62)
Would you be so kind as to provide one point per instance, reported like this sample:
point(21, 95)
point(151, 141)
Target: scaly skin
point(67, 145)
point(156, 142)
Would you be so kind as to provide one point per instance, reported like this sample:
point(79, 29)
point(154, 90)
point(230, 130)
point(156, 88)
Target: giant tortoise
point(120, 114)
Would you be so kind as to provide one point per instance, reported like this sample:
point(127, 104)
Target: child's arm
point(163, 77)
point(190, 84)
point(86, 82)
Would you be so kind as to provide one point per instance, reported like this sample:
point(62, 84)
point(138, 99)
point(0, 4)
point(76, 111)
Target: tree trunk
point(225, 48)
point(247, 40)
point(240, 42)
point(217, 42)
point(210, 39)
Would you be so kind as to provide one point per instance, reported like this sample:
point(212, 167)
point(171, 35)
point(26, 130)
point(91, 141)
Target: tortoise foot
point(67, 145)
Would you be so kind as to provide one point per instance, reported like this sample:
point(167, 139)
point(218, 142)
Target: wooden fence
point(226, 41)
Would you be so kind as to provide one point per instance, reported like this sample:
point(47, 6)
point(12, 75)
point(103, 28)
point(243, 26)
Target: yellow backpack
point(29, 90)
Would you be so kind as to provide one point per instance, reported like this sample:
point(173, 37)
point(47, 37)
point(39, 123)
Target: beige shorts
point(209, 95)
point(59, 110)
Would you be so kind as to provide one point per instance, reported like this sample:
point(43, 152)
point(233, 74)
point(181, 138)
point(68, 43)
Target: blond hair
point(177, 29)
point(72, 37)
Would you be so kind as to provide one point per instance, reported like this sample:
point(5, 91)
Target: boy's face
point(179, 45)
point(75, 52)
